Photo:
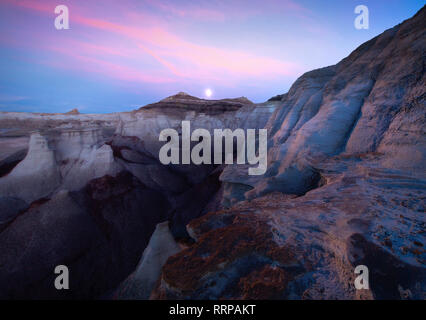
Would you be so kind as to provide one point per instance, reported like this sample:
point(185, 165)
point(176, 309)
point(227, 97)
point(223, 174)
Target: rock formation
point(139, 285)
point(100, 176)
point(345, 186)
point(73, 111)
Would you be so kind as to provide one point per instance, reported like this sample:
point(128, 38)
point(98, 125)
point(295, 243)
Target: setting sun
point(208, 93)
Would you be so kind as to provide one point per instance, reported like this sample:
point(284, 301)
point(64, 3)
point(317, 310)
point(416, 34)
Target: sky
point(120, 55)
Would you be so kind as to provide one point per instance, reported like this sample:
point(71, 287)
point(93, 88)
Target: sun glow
point(208, 93)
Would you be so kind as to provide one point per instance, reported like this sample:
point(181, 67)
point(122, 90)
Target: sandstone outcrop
point(371, 101)
point(345, 186)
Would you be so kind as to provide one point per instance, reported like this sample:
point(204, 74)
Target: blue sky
point(120, 55)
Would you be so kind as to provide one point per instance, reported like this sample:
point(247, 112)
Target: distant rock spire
point(73, 111)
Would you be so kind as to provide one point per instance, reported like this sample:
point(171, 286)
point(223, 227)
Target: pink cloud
point(33, 5)
point(102, 67)
point(162, 44)
point(182, 59)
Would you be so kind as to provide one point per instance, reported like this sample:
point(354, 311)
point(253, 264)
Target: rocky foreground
point(345, 186)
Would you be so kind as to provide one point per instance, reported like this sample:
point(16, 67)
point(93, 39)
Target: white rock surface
point(64, 161)
point(141, 282)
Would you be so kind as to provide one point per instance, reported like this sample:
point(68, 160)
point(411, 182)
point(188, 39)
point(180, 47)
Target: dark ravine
point(345, 186)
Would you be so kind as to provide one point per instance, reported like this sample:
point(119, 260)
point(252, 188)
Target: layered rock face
point(371, 101)
point(345, 186)
point(205, 114)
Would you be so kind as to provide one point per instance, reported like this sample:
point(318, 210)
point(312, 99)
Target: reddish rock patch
point(265, 284)
point(232, 237)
